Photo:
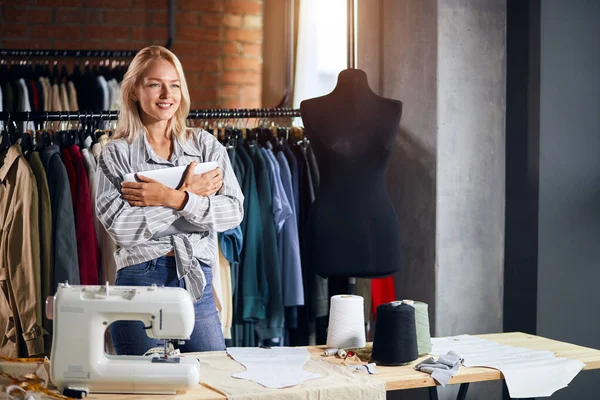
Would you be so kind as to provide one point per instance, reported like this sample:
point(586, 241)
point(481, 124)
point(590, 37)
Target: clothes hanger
point(26, 140)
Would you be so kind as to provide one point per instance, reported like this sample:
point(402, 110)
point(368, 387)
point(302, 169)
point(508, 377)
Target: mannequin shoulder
point(312, 108)
point(391, 107)
point(313, 104)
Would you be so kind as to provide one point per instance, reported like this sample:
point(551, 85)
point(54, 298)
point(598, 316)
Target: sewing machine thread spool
point(395, 341)
point(330, 351)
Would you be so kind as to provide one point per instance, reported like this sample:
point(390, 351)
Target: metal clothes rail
point(67, 53)
point(217, 113)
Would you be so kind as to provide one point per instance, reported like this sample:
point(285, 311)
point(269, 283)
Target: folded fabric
point(443, 369)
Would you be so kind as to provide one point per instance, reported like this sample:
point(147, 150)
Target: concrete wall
point(409, 74)
point(470, 172)
point(445, 59)
point(569, 200)
point(470, 165)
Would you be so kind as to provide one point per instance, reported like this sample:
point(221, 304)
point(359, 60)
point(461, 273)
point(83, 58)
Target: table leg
point(462, 392)
point(433, 393)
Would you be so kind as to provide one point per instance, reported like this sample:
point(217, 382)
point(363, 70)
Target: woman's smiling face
point(158, 92)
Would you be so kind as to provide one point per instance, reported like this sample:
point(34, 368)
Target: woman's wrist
point(177, 199)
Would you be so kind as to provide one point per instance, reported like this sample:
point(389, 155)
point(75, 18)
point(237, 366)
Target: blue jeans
point(130, 338)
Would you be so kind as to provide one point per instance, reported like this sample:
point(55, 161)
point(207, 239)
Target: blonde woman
point(151, 134)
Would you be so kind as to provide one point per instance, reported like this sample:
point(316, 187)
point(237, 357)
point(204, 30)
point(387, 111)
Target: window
point(322, 48)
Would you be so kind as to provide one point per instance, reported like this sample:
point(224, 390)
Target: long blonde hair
point(130, 124)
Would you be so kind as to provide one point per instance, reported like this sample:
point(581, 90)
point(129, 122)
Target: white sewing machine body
point(81, 316)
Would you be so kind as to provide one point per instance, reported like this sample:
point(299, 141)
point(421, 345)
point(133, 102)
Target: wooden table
point(405, 377)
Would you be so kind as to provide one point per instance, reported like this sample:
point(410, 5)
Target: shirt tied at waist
point(188, 266)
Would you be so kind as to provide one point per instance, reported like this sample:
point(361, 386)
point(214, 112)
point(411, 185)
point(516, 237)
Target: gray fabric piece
point(443, 369)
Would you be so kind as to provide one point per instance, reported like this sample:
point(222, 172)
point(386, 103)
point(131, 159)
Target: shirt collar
point(12, 155)
point(189, 148)
point(141, 151)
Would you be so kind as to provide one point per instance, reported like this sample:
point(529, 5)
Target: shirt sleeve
point(225, 209)
point(128, 226)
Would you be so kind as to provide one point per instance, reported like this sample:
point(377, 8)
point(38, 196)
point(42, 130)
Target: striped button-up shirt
point(136, 230)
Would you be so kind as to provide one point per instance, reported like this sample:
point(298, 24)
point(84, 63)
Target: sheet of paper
point(275, 368)
point(528, 373)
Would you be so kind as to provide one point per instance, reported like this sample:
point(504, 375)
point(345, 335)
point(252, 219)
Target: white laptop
point(173, 177)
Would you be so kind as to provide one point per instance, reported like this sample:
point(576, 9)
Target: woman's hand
point(205, 184)
point(149, 192)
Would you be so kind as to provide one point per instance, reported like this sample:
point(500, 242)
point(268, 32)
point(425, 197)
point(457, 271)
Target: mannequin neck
point(353, 81)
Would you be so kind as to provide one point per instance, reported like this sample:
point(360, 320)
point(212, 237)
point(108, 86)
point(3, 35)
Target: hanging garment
point(250, 289)
point(226, 289)
point(19, 258)
point(40, 92)
point(73, 106)
point(9, 95)
point(272, 325)
point(382, 291)
point(115, 94)
point(103, 85)
point(47, 97)
point(316, 290)
point(1, 109)
point(45, 236)
point(24, 105)
point(34, 98)
point(84, 223)
point(64, 97)
point(56, 100)
point(293, 287)
point(64, 241)
point(282, 211)
point(281, 207)
point(108, 247)
point(252, 286)
point(217, 288)
point(230, 246)
point(293, 164)
point(68, 160)
point(90, 168)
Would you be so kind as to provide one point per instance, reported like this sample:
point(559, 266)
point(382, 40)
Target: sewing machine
point(81, 315)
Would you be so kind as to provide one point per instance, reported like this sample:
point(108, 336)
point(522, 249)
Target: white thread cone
point(346, 322)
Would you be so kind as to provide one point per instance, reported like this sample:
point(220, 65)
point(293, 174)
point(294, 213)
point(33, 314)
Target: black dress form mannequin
point(352, 228)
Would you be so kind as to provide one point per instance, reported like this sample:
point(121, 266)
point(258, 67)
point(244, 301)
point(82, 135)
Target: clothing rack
point(67, 53)
point(218, 113)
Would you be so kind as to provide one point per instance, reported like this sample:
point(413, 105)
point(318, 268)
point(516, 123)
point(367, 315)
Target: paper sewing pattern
point(528, 373)
point(275, 368)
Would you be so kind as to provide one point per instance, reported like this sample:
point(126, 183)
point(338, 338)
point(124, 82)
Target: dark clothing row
point(276, 297)
point(40, 88)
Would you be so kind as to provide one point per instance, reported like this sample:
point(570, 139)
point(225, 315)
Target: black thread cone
point(395, 341)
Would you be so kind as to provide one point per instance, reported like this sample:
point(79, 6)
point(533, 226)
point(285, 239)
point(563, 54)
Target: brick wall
point(219, 42)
